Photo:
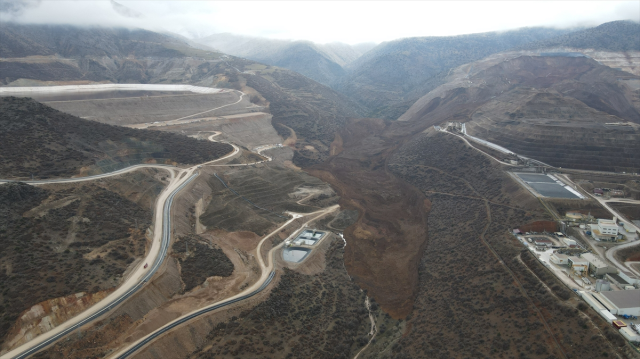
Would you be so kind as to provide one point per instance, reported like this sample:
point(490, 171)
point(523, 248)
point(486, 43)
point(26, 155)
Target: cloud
point(15, 8)
point(125, 11)
point(346, 21)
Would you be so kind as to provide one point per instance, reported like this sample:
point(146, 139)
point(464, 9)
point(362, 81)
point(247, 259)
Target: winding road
point(140, 275)
point(267, 275)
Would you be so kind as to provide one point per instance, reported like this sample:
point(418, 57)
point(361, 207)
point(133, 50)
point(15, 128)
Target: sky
point(323, 21)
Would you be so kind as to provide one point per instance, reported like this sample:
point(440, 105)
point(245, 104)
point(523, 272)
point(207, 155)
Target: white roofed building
point(605, 229)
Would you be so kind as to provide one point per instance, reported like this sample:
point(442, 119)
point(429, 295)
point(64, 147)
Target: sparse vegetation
point(60, 241)
point(40, 141)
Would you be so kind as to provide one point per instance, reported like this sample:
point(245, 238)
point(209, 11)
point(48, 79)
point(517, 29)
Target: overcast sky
point(325, 21)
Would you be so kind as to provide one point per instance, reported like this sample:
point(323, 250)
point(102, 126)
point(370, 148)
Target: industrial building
point(605, 229)
point(578, 264)
point(542, 242)
point(560, 259)
point(597, 266)
point(621, 301)
point(571, 243)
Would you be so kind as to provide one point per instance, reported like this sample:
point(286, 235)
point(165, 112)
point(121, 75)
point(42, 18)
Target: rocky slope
point(65, 246)
point(615, 36)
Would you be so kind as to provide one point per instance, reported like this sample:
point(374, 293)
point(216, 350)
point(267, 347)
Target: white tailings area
point(108, 87)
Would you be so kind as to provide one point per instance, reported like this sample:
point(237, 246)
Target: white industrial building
point(560, 259)
point(621, 301)
point(597, 266)
point(569, 242)
point(605, 229)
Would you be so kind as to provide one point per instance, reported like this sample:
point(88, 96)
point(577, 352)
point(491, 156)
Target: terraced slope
point(257, 197)
point(560, 131)
point(553, 109)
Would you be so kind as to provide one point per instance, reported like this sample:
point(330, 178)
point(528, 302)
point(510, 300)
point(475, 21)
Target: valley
point(154, 195)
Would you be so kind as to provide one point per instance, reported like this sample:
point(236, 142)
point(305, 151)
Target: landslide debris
point(386, 243)
point(200, 260)
point(59, 240)
point(38, 141)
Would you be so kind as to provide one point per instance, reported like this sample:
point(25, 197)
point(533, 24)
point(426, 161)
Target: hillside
point(66, 246)
point(78, 42)
point(40, 141)
point(395, 71)
point(71, 53)
point(321, 62)
point(618, 36)
point(558, 110)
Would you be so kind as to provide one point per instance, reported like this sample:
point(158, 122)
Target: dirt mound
point(200, 260)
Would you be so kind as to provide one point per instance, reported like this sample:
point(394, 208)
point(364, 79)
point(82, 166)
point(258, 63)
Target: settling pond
point(295, 254)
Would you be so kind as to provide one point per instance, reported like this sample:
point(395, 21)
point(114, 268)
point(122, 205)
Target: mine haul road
point(266, 276)
point(140, 276)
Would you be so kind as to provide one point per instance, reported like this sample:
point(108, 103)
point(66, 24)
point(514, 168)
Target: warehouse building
point(597, 266)
point(621, 301)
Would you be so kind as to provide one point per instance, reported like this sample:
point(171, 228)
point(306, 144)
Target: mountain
point(321, 62)
point(394, 72)
point(312, 110)
point(618, 36)
point(40, 141)
point(567, 111)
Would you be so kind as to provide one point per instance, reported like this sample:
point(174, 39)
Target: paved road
point(136, 281)
point(94, 177)
point(267, 274)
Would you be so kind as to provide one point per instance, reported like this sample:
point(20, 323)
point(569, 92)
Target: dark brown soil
point(386, 243)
